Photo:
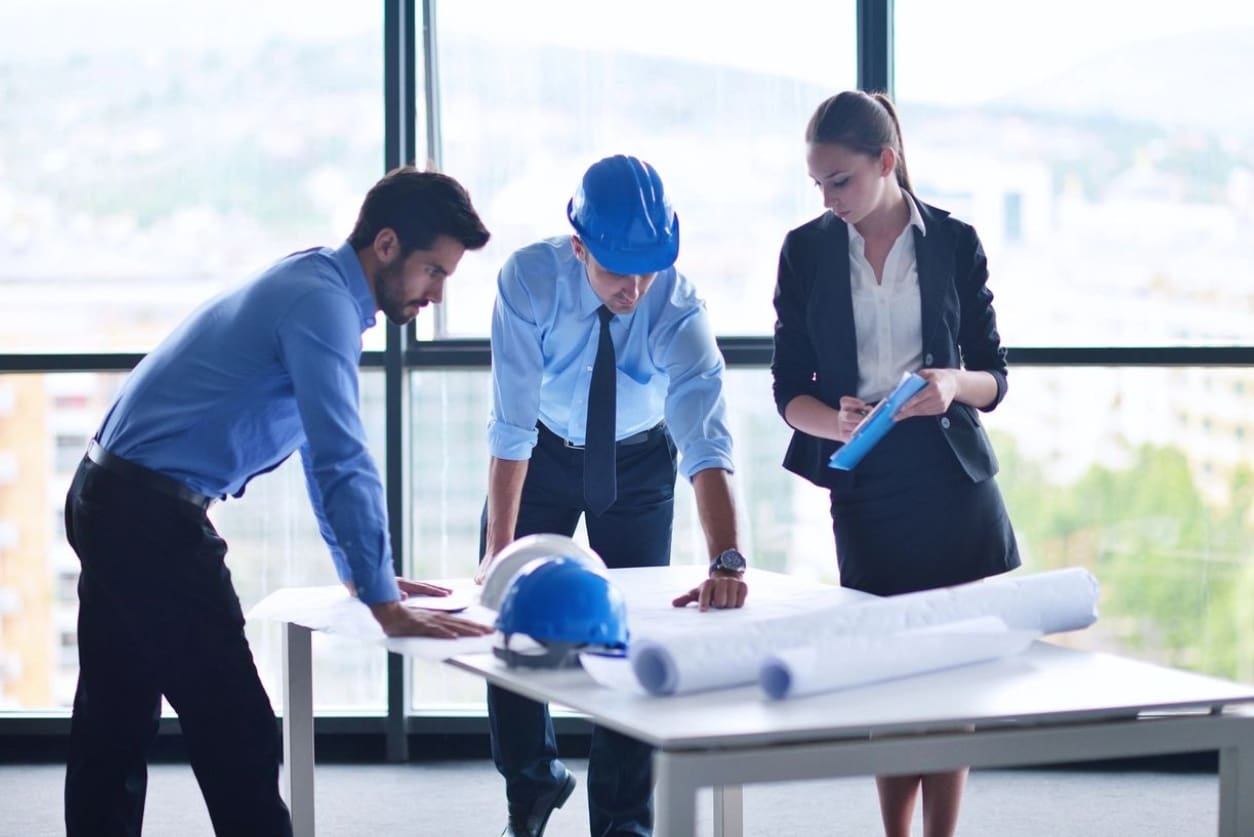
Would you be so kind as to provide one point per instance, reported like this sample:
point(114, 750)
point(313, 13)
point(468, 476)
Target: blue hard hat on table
point(564, 606)
point(622, 213)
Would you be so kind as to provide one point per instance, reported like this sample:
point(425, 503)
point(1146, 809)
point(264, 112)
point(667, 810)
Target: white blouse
point(886, 316)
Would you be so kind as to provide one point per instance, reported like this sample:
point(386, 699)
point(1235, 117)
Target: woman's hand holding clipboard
point(877, 423)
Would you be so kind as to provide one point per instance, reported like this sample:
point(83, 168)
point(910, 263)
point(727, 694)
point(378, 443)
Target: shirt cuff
point(508, 441)
point(706, 456)
point(379, 589)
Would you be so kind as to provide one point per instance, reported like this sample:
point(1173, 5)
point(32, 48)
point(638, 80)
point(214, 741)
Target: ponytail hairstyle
point(862, 122)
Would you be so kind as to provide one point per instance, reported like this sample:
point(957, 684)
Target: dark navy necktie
point(600, 477)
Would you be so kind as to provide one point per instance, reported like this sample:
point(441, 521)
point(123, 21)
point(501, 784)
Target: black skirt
point(914, 520)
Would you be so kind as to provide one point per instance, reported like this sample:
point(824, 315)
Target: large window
point(1150, 486)
point(45, 422)
point(152, 154)
point(717, 99)
point(1102, 155)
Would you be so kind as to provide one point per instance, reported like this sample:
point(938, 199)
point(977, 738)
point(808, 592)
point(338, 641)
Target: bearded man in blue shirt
point(604, 367)
point(239, 386)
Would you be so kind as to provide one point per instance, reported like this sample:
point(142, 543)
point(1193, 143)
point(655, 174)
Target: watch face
point(730, 560)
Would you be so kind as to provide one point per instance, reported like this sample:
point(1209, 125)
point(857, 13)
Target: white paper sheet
point(332, 610)
point(1050, 602)
point(842, 663)
point(612, 672)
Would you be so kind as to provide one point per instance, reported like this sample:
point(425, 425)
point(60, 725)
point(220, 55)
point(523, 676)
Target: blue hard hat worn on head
point(622, 213)
point(565, 608)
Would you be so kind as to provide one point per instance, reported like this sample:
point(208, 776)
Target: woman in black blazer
point(879, 285)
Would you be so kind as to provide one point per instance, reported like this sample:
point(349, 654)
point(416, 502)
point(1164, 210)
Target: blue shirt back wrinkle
point(253, 375)
point(544, 341)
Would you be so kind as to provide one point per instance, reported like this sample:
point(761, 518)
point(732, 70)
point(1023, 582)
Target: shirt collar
point(916, 217)
point(345, 257)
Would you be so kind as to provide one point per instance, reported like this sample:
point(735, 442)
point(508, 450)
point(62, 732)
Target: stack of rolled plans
point(850, 645)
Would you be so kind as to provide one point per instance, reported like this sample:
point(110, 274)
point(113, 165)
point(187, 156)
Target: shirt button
point(945, 422)
point(927, 359)
point(587, 368)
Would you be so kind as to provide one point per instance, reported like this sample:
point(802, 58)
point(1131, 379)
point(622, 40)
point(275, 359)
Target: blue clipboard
point(875, 425)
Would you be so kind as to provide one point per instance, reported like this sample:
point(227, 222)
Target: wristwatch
point(729, 560)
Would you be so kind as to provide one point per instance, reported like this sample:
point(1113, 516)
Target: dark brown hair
point(419, 206)
point(862, 122)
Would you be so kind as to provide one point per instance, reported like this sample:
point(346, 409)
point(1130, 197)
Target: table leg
point(729, 811)
point(298, 741)
point(1236, 785)
point(675, 801)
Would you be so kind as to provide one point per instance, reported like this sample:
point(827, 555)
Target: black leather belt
point(634, 439)
point(140, 475)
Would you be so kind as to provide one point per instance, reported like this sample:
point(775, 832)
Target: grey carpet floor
point(466, 799)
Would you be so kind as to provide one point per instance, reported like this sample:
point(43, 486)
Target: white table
point(1047, 705)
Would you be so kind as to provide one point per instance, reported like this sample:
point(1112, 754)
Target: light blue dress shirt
point(255, 374)
point(544, 340)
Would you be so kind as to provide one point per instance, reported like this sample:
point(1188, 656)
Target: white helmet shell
point(514, 557)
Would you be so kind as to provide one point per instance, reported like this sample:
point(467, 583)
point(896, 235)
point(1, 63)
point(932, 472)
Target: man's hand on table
point(398, 620)
point(722, 590)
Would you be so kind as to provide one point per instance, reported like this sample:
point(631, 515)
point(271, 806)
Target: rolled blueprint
point(845, 662)
point(1050, 602)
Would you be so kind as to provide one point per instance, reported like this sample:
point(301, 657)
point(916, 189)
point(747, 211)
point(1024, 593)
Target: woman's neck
point(887, 220)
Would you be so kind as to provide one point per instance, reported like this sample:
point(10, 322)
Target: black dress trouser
point(158, 615)
point(634, 532)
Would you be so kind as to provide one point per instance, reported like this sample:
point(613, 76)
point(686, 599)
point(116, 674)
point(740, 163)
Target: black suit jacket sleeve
point(794, 364)
point(978, 340)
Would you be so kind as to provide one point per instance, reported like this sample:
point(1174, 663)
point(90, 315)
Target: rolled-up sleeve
point(319, 340)
point(517, 368)
point(695, 409)
point(794, 363)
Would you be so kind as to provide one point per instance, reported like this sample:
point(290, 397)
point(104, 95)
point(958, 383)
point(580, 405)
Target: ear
point(386, 245)
point(581, 252)
point(888, 162)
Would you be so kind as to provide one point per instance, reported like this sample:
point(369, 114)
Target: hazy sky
point(991, 47)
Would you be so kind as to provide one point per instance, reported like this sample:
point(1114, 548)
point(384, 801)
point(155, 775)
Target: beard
point(390, 289)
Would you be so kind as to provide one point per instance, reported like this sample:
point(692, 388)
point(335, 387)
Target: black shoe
point(531, 823)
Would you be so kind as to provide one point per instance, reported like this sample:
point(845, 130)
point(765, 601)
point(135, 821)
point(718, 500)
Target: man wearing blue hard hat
point(606, 382)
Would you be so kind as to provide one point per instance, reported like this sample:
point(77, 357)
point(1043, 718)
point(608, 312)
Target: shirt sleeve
point(695, 410)
point(342, 569)
point(517, 368)
point(319, 342)
point(978, 338)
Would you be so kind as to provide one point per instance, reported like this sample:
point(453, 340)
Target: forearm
point(810, 415)
point(716, 509)
point(975, 388)
point(505, 483)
